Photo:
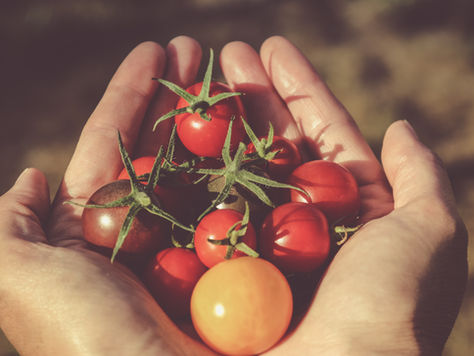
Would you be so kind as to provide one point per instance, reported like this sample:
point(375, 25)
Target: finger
point(414, 171)
point(245, 73)
point(96, 159)
point(329, 129)
point(183, 58)
point(25, 207)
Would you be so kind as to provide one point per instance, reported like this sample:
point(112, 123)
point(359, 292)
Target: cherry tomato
point(287, 159)
point(295, 237)
point(101, 226)
point(331, 187)
point(176, 194)
point(206, 138)
point(241, 306)
point(215, 226)
point(171, 277)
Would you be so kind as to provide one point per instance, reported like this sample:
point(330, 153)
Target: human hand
point(395, 287)
point(56, 296)
point(394, 254)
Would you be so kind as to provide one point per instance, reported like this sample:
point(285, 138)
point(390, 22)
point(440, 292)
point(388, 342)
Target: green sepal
point(178, 91)
point(169, 116)
point(127, 162)
point(163, 214)
point(127, 224)
point(155, 172)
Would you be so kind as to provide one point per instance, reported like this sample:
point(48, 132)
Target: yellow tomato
point(242, 306)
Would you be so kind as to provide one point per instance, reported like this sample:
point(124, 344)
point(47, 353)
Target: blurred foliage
point(385, 60)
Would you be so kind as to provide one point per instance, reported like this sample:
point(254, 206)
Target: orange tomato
point(241, 306)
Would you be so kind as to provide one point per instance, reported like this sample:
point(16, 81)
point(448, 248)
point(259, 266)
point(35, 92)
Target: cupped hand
point(396, 286)
point(56, 296)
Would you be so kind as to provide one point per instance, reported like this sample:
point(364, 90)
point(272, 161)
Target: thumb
point(25, 207)
point(414, 171)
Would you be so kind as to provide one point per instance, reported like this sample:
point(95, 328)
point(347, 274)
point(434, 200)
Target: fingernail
point(410, 128)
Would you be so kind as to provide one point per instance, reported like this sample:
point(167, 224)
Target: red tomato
point(171, 277)
point(206, 138)
point(141, 165)
point(295, 237)
point(241, 306)
point(101, 226)
point(331, 187)
point(287, 159)
point(215, 226)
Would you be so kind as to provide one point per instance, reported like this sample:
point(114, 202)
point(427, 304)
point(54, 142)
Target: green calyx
point(263, 147)
point(238, 171)
point(141, 197)
point(234, 236)
point(198, 104)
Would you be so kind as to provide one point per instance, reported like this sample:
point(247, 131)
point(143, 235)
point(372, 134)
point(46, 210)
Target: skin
point(394, 288)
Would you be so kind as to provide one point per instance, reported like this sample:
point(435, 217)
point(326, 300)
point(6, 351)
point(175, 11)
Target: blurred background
point(384, 59)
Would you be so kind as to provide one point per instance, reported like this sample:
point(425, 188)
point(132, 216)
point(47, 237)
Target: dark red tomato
point(331, 187)
point(171, 277)
point(101, 226)
point(215, 226)
point(176, 194)
point(287, 159)
point(295, 238)
point(206, 138)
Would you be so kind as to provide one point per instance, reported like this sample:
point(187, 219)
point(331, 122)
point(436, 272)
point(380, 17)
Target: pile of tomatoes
point(224, 227)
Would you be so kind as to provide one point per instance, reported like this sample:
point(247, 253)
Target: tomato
point(241, 306)
point(286, 160)
point(176, 193)
point(142, 166)
point(171, 277)
point(206, 138)
point(295, 237)
point(331, 188)
point(101, 226)
point(215, 226)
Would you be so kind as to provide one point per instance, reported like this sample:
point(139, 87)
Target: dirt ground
point(385, 60)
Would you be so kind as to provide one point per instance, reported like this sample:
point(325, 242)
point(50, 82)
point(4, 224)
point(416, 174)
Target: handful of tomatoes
point(230, 229)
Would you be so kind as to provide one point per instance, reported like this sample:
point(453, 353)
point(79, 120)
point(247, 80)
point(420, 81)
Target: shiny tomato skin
point(171, 276)
point(101, 226)
point(295, 238)
point(206, 138)
point(215, 226)
point(331, 187)
point(241, 306)
point(285, 161)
